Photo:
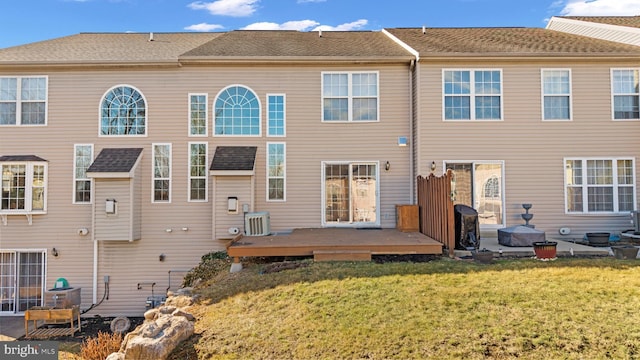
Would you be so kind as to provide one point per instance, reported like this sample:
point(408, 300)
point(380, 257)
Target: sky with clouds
point(35, 20)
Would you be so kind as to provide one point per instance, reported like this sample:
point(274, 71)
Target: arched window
point(237, 112)
point(123, 111)
point(492, 187)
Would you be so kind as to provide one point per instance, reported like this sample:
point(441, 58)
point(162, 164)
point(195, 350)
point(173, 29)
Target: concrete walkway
point(565, 248)
point(11, 327)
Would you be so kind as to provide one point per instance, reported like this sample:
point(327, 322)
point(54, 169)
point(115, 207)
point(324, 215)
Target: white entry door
point(350, 194)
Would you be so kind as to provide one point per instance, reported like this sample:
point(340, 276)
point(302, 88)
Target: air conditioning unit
point(635, 217)
point(257, 224)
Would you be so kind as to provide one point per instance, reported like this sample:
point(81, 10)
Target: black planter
point(627, 252)
point(482, 256)
point(598, 238)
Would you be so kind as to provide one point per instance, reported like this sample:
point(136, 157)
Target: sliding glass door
point(350, 194)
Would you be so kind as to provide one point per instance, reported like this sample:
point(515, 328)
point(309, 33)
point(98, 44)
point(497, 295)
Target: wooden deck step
point(342, 255)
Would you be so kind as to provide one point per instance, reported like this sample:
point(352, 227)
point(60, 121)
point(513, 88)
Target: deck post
point(236, 266)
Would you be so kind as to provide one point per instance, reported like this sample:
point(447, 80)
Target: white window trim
point(146, 114)
point(284, 116)
point(213, 114)
point(189, 177)
point(585, 186)
point(349, 97)
point(543, 95)
point(19, 100)
point(28, 196)
point(206, 115)
point(472, 95)
point(75, 162)
point(153, 178)
point(284, 177)
point(613, 115)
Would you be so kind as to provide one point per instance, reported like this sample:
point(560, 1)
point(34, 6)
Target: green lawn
point(444, 309)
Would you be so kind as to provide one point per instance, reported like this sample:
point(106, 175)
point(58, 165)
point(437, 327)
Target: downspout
point(412, 162)
point(94, 297)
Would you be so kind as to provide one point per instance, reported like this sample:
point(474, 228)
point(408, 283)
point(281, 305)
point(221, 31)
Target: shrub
point(101, 346)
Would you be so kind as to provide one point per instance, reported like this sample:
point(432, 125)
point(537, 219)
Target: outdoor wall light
point(387, 166)
point(433, 166)
point(54, 252)
point(162, 257)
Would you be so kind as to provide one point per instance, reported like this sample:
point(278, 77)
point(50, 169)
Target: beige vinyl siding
point(225, 187)
point(113, 226)
point(73, 103)
point(532, 150)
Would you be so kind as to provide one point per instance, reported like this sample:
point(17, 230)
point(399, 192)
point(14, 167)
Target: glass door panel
point(7, 282)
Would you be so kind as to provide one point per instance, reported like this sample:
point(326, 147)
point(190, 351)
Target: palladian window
point(123, 111)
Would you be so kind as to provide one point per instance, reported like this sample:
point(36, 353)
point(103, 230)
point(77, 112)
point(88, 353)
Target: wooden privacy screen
point(436, 208)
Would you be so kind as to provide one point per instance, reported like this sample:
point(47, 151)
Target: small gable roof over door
point(115, 163)
point(234, 160)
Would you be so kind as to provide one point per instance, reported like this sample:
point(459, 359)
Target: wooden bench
point(72, 316)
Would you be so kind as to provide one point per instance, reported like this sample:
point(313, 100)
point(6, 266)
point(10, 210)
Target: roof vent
point(424, 29)
point(151, 36)
point(319, 32)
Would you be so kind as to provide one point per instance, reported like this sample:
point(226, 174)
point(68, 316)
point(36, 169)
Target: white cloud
point(300, 25)
point(203, 27)
point(601, 8)
point(304, 25)
point(237, 8)
point(358, 24)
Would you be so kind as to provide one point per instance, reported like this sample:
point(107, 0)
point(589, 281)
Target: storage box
point(407, 218)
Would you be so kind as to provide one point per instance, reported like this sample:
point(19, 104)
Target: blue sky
point(25, 21)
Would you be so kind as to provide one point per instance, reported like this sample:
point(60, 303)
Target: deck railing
point(436, 208)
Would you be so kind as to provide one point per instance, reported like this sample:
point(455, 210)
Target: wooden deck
point(335, 244)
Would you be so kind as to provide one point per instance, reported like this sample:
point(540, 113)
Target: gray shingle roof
point(117, 160)
point(20, 158)
point(99, 48)
point(627, 21)
point(506, 42)
point(234, 158)
point(278, 43)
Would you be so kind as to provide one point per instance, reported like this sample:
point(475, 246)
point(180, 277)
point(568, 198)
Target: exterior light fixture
point(387, 166)
point(433, 166)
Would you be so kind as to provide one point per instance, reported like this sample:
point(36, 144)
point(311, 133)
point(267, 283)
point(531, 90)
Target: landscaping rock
point(163, 329)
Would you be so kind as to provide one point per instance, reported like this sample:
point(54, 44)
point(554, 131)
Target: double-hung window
point(82, 158)
point(472, 94)
point(161, 173)
point(276, 171)
point(350, 96)
point(556, 94)
point(23, 100)
point(23, 187)
point(599, 185)
point(626, 94)
point(198, 114)
point(198, 171)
